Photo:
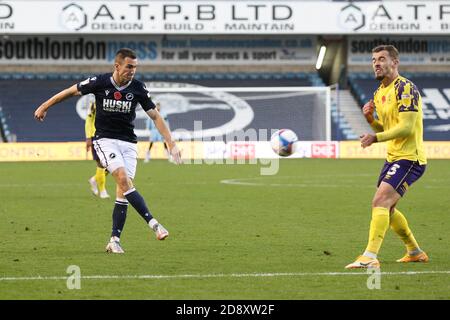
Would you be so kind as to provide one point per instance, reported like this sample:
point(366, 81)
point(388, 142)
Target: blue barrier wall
point(21, 94)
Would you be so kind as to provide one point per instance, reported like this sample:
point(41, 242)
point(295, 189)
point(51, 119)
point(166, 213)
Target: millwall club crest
point(129, 96)
point(241, 113)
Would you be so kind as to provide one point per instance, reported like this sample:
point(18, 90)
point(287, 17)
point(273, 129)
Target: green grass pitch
point(286, 236)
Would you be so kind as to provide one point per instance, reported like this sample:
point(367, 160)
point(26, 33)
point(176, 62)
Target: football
point(282, 142)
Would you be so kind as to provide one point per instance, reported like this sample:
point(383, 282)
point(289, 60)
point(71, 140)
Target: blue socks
point(138, 203)
point(119, 216)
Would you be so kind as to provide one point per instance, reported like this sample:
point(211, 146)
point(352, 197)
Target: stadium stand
point(4, 129)
point(345, 116)
point(222, 79)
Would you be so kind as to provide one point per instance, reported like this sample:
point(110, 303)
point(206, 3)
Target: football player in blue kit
point(117, 95)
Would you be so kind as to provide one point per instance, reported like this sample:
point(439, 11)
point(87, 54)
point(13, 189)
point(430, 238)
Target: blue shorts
point(401, 174)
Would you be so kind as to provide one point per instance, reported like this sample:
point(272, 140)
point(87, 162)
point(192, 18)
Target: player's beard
point(381, 76)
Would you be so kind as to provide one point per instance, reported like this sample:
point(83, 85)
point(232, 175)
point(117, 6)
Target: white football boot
point(104, 194)
point(160, 231)
point(113, 246)
point(94, 187)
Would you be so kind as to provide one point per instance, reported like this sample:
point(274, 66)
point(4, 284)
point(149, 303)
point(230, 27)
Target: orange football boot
point(421, 257)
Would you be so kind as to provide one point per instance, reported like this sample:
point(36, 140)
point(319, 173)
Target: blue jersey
point(116, 106)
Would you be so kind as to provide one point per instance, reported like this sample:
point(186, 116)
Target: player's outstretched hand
point(176, 154)
point(40, 113)
point(368, 110)
point(367, 139)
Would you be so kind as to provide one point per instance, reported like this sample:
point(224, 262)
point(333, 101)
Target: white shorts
point(114, 154)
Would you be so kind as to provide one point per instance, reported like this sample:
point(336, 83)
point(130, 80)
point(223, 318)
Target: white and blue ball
point(282, 142)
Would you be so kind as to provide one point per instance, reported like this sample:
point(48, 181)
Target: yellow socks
point(399, 224)
point(378, 228)
point(381, 220)
point(100, 177)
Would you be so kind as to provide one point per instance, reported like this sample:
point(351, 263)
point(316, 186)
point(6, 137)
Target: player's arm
point(368, 110)
point(161, 125)
point(41, 111)
point(376, 125)
point(403, 129)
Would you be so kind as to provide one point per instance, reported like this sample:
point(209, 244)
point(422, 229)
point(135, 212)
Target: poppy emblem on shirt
point(117, 95)
point(383, 99)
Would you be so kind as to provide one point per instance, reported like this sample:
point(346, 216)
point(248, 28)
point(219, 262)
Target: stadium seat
point(306, 78)
point(230, 76)
point(5, 76)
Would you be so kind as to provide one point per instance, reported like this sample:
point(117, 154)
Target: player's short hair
point(393, 52)
point(125, 53)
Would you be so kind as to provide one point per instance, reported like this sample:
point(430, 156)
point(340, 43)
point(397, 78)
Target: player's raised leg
point(120, 158)
point(398, 222)
point(400, 226)
point(138, 203)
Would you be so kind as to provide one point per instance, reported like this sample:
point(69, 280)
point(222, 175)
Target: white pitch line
point(307, 184)
point(220, 275)
point(266, 182)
